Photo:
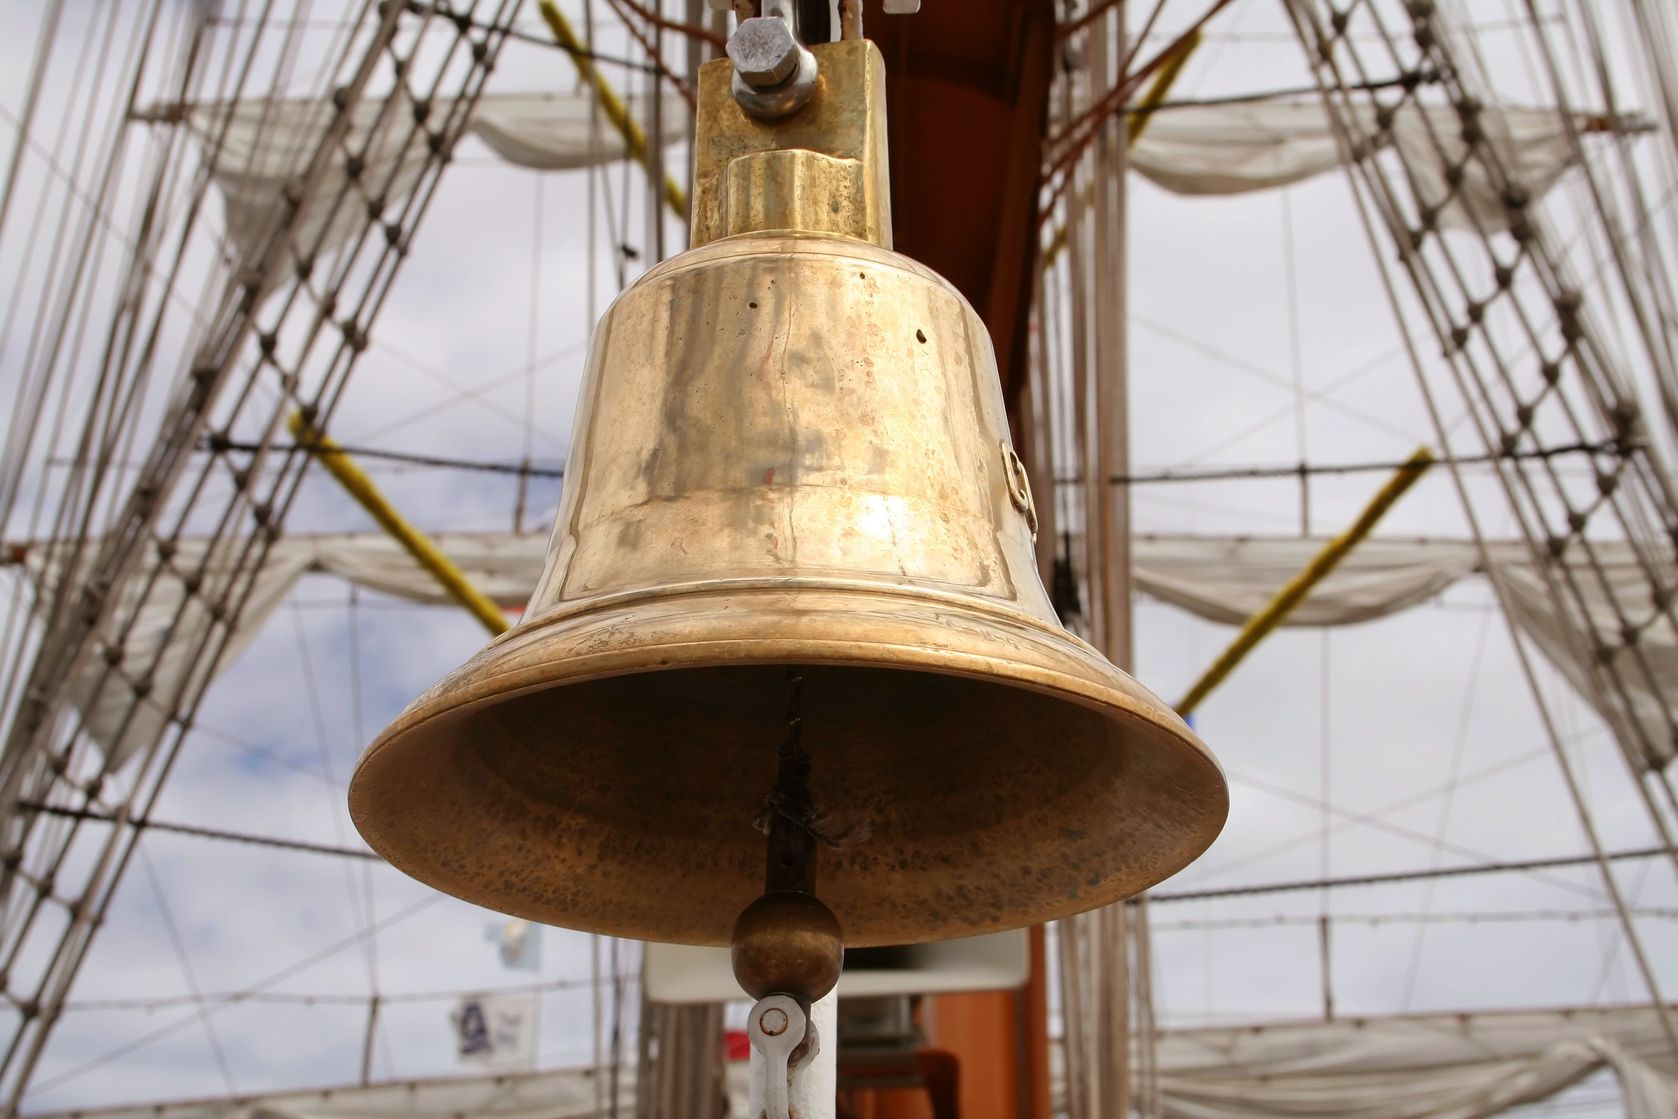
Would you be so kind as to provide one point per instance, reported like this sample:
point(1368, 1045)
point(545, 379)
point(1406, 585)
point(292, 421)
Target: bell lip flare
point(400, 793)
point(790, 454)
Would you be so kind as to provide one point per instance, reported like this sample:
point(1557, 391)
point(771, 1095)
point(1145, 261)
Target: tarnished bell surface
point(790, 450)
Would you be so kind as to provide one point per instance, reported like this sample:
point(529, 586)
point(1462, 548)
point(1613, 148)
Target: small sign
point(496, 1031)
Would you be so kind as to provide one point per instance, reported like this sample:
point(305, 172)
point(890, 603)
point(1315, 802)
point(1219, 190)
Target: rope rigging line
point(1376, 920)
point(260, 986)
point(1576, 517)
point(216, 444)
point(1387, 878)
point(25, 122)
point(19, 759)
point(269, 446)
point(248, 521)
point(660, 67)
point(1291, 93)
point(1459, 746)
point(167, 917)
point(1420, 247)
point(145, 823)
point(1377, 821)
point(1523, 494)
point(26, 416)
point(338, 998)
point(1068, 146)
point(360, 903)
point(547, 43)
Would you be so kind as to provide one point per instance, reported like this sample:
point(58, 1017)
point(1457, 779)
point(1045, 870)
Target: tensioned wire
point(1481, 865)
point(1377, 819)
point(1172, 476)
point(1634, 525)
point(71, 933)
point(141, 39)
point(1459, 747)
point(46, 41)
point(1614, 237)
point(415, 205)
point(461, 394)
point(138, 256)
point(184, 961)
point(16, 673)
point(14, 464)
point(358, 731)
point(271, 979)
point(1631, 527)
point(34, 381)
point(1670, 386)
point(1379, 191)
point(68, 831)
point(360, 901)
point(596, 180)
point(66, 504)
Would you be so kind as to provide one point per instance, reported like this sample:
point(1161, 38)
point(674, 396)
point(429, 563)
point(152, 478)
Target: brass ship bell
point(790, 460)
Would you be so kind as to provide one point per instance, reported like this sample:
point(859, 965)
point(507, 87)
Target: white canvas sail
point(1222, 579)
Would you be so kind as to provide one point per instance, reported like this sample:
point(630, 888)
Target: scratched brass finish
point(790, 450)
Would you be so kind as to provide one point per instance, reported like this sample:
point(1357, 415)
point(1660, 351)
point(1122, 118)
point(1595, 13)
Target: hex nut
point(764, 51)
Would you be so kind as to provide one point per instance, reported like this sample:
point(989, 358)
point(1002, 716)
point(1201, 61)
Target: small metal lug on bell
point(790, 453)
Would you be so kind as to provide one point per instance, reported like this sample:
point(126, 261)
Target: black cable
point(1235, 473)
point(1403, 876)
point(214, 445)
point(463, 19)
point(1216, 474)
point(204, 833)
point(1408, 81)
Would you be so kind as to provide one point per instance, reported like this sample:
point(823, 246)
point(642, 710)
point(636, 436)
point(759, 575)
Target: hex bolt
point(764, 51)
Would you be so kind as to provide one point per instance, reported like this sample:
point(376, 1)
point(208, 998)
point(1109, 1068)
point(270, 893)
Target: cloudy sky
point(1233, 302)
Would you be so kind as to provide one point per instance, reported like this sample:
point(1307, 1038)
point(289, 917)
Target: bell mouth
point(972, 769)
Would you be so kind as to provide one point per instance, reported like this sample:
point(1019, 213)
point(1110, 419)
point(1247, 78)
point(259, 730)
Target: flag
point(520, 943)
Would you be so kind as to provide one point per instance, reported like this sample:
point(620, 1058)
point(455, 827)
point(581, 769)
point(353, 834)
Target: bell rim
point(427, 707)
point(563, 664)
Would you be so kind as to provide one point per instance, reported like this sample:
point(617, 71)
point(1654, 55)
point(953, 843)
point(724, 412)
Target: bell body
point(790, 454)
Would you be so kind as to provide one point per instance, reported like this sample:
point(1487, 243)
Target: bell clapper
point(787, 948)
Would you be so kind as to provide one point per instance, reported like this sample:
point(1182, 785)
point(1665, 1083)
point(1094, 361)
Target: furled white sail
point(1235, 148)
point(256, 148)
point(1221, 578)
point(1439, 1066)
